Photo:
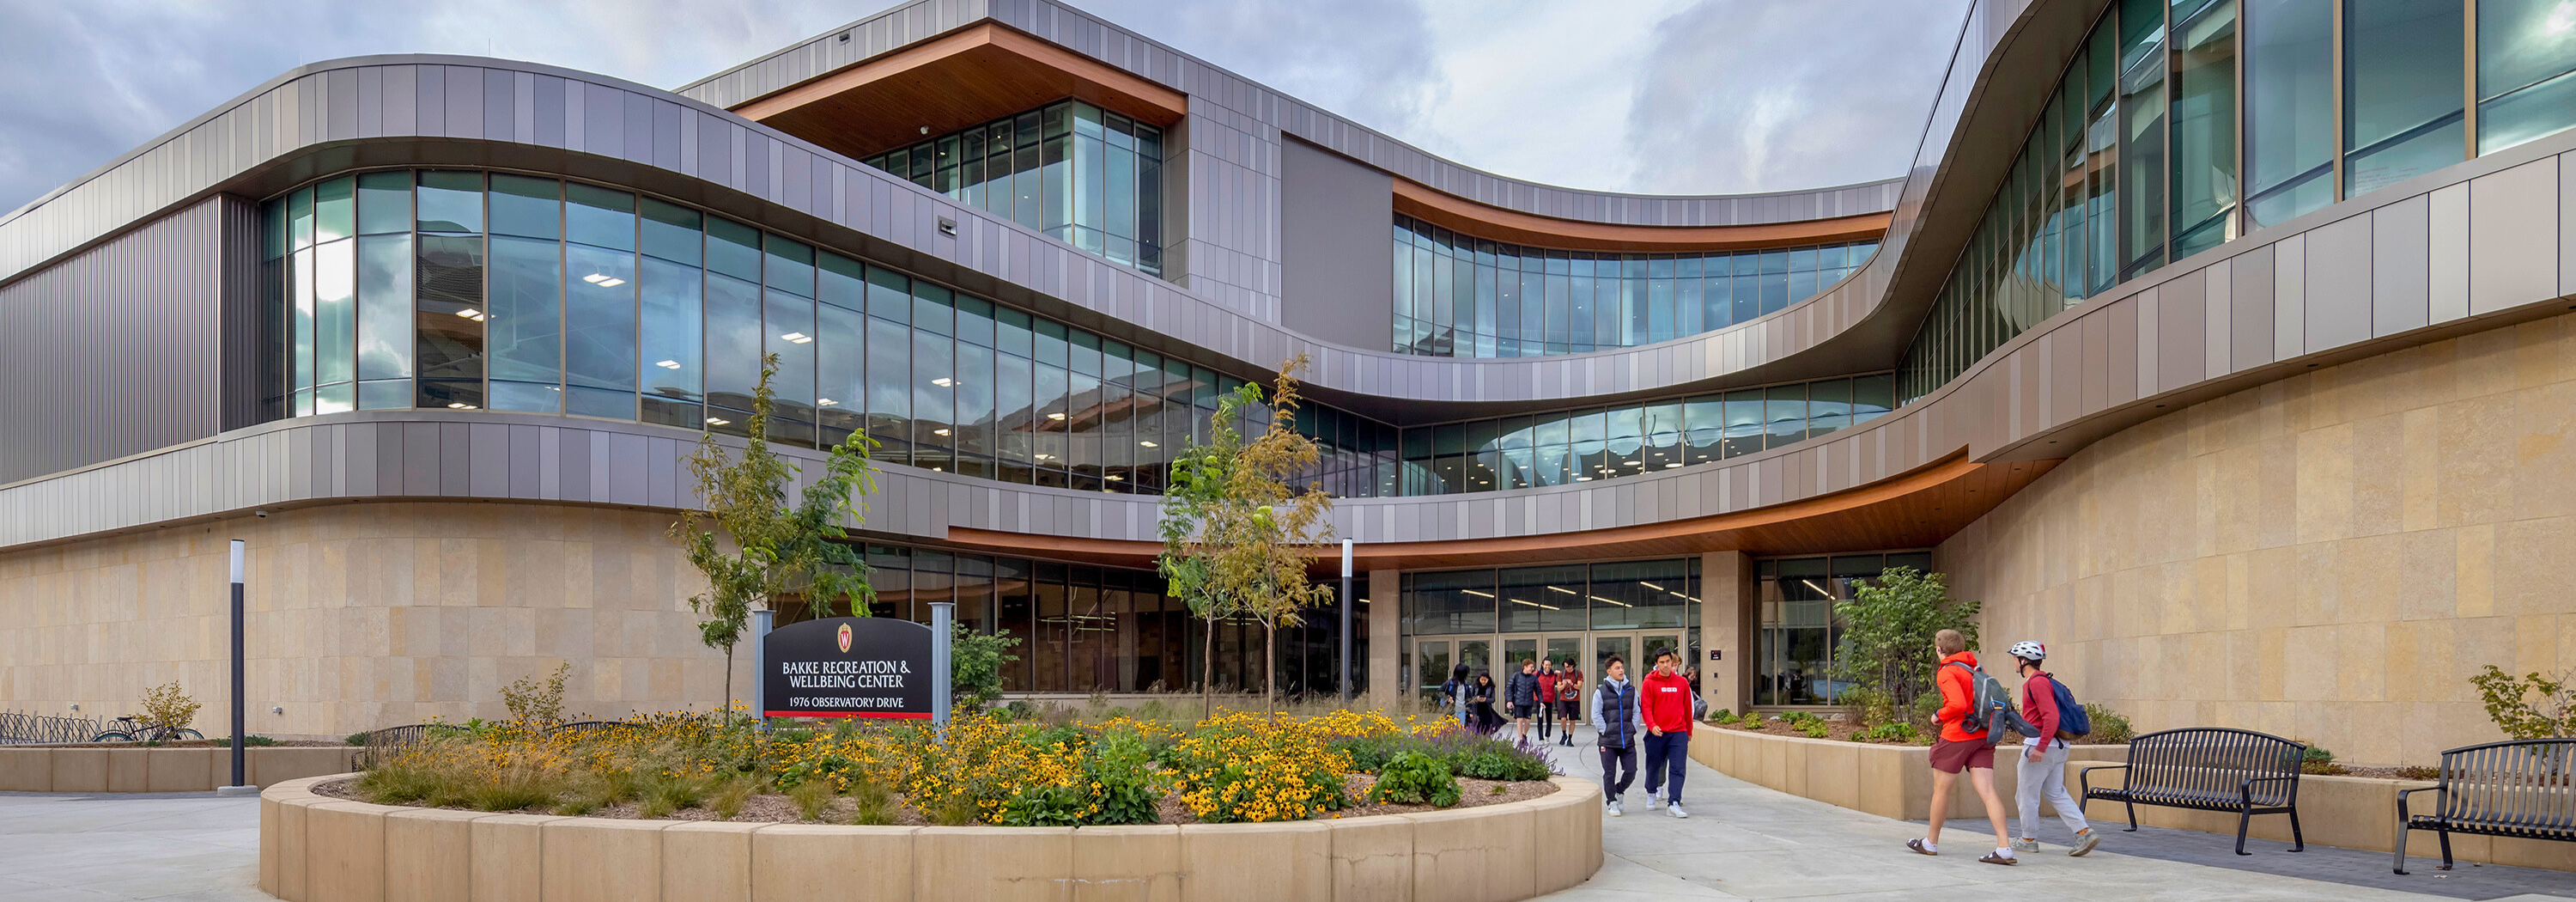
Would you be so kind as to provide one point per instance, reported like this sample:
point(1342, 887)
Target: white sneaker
point(1675, 809)
point(2025, 845)
point(1614, 808)
point(1654, 803)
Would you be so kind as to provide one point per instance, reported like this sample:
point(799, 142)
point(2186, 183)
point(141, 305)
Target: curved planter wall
point(160, 769)
point(1896, 781)
point(318, 849)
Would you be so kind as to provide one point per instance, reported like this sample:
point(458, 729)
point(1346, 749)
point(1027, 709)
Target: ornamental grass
point(993, 768)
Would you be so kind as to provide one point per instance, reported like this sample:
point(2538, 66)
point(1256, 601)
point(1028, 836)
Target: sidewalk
point(1745, 842)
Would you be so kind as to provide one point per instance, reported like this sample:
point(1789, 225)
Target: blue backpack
point(2072, 719)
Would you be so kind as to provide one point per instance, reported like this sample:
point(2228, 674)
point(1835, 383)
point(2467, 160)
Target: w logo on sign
point(845, 638)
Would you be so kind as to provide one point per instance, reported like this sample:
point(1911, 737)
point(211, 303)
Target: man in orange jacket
point(1664, 703)
point(1960, 748)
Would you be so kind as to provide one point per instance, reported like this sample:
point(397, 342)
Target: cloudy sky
point(1658, 96)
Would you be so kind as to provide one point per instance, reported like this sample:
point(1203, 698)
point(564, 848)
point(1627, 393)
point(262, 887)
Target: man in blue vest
point(1616, 719)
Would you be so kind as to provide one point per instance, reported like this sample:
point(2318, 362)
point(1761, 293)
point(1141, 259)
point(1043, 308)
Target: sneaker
point(1654, 802)
point(2025, 844)
point(1675, 809)
point(1921, 848)
point(1614, 808)
point(1998, 858)
point(2085, 843)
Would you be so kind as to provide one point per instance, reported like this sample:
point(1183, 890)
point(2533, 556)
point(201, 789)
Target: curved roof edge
point(1247, 103)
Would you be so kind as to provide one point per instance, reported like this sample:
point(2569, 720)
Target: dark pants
point(1546, 714)
point(1667, 759)
point(1613, 780)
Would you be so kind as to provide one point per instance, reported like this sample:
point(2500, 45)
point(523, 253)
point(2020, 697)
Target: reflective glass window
point(2526, 71)
point(2289, 108)
point(2402, 100)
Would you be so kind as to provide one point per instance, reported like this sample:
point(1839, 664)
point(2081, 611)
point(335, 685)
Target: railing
point(19, 728)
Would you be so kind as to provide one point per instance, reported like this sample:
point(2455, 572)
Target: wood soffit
point(1469, 217)
point(967, 77)
point(1915, 510)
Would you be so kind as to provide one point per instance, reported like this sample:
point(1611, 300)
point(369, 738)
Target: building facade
point(2215, 343)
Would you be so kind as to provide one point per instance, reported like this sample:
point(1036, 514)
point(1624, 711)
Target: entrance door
point(1654, 642)
point(1604, 645)
point(1478, 655)
point(1561, 649)
point(1515, 653)
point(1432, 669)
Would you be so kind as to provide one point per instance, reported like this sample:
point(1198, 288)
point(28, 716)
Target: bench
point(2524, 789)
point(2208, 769)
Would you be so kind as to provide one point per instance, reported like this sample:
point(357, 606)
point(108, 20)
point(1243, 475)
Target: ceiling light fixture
point(719, 421)
point(943, 382)
point(1563, 589)
point(667, 364)
point(1046, 457)
point(824, 402)
point(797, 338)
point(1608, 601)
point(1055, 416)
point(1113, 477)
point(1148, 445)
point(471, 313)
point(460, 405)
point(1672, 465)
point(1652, 586)
point(1478, 594)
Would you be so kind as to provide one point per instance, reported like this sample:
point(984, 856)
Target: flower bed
point(992, 770)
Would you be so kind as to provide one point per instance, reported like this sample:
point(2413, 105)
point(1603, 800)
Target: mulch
point(1837, 730)
point(781, 809)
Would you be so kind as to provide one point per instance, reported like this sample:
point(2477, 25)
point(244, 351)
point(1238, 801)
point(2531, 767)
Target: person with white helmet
point(2042, 766)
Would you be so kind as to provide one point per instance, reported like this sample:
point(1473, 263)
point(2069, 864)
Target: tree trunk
point(727, 707)
point(1207, 673)
point(1270, 664)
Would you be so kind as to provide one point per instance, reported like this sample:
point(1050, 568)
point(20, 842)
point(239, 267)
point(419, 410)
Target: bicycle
point(133, 729)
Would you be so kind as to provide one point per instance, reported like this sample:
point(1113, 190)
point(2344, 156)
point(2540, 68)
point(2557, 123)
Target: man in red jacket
point(1664, 700)
point(1960, 748)
point(2042, 767)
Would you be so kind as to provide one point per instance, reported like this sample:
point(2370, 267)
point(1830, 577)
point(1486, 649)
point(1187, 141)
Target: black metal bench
point(2524, 789)
point(2209, 769)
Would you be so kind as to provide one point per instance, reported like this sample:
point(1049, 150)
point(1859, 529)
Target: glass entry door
point(1515, 653)
point(1604, 645)
point(1431, 669)
point(1561, 649)
point(1478, 655)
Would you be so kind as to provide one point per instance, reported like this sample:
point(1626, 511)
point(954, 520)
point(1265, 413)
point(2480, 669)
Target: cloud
point(1678, 96)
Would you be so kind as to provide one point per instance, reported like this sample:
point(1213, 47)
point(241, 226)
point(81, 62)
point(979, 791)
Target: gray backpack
point(1991, 706)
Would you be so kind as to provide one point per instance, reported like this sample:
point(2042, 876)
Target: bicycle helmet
point(2029, 651)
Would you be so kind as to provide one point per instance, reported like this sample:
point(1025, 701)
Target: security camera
point(75, 706)
point(260, 514)
point(277, 710)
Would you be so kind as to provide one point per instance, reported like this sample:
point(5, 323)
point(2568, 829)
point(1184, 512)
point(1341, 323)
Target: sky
point(1647, 96)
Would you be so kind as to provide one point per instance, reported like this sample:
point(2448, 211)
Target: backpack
point(2072, 720)
point(1991, 705)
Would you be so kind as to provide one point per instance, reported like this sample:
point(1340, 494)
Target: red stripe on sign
point(886, 716)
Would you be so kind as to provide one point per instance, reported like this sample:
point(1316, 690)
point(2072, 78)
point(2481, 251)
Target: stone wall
point(2327, 557)
point(363, 616)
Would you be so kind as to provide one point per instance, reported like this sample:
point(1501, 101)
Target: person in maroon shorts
point(1960, 749)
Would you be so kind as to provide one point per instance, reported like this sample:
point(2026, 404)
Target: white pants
point(2045, 777)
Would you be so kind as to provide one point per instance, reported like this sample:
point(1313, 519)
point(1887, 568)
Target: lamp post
point(1346, 621)
point(240, 784)
point(942, 613)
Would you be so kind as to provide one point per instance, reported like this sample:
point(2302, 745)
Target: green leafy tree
point(2510, 702)
point(775, 552)
point(1888, 625)
point(1237, 538)
point(1197, 485)
point(975, 665)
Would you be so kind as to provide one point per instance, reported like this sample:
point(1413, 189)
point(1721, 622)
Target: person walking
point(1546, 699)
point(1455, 696)
point(1616, 721)
point(1569, 693)
point(1961, 748)
point(1487, 722)
point(2041, 770)
point(1665, 697)
point(1521, 691)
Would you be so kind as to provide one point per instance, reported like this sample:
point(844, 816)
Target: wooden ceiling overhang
point(967, 77)
point(1917, 509)
point(1469, 217)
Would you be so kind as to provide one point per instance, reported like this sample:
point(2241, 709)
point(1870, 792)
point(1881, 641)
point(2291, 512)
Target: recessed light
point(1055, 416)
point(1113, 477)
point(471, 313)
point(1148, 444)
point(1583, 479)
point(797, 338)
point(1046, 457)
point(611, 283)
point(939, 432)
point(943, 382)
point(718, 421)
point(667, 364)
point(459, 405)
point(1672, 465)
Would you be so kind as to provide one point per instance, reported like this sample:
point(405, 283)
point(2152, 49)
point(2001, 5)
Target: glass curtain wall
point(1460, 296)
point(1087, 176)
point(2136, 159)
point(1570, 446)
point(1794, 651)
point(1473, 606)
point(1089, 629)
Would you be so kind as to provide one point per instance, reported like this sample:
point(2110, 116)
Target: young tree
point(777, 551)
point(1887, 632)
point(1236, 537)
